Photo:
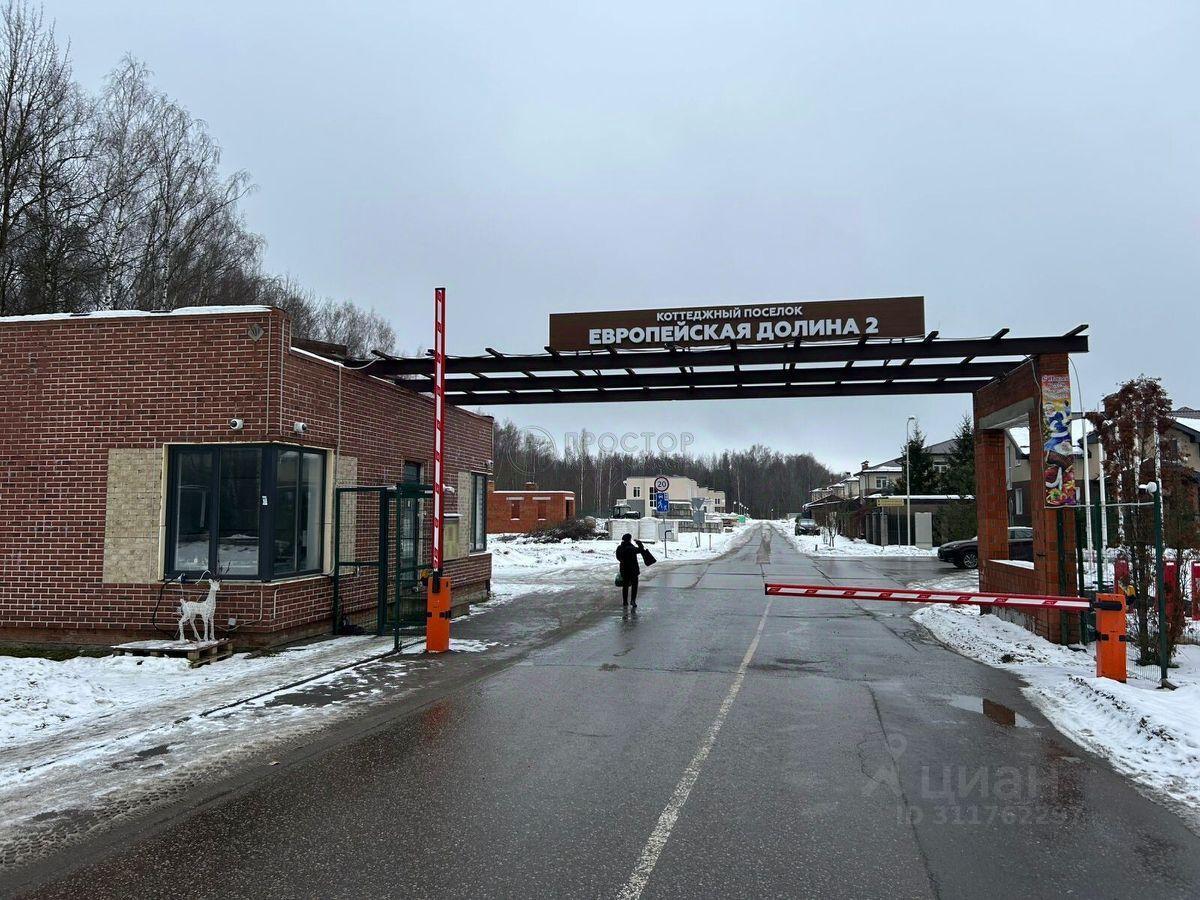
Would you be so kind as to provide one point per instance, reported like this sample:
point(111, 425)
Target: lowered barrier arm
point(1109, 608)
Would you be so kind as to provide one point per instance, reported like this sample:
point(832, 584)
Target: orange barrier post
point(1111, 657)
point(437, 615)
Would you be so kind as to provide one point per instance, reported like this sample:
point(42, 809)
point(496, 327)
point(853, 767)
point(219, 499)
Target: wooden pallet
point(197, 654)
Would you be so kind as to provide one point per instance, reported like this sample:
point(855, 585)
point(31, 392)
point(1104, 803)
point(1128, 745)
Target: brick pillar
point(991, 502)
point(1045, 521)
point(1002, 402)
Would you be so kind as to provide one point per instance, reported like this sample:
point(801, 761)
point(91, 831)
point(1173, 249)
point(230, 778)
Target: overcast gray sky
point(1026, 164)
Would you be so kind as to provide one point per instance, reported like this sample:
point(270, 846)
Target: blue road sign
point(662, 504)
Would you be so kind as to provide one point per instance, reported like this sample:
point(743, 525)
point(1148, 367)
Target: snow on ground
point(119, 733)
point(1150, 735)
point(818, 545)
point(41, 698)
point(518, 562)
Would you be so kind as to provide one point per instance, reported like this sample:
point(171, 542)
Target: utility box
point(923, 530)
point(646, 528)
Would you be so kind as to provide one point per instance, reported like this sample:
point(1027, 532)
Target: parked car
point(965, 554)
point(807, 526)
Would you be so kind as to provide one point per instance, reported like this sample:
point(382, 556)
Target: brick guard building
point(138, 446)
point(527, 509)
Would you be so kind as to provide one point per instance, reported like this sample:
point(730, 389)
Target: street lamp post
point(908, 478)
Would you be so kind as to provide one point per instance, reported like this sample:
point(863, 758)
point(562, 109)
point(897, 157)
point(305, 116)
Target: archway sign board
point(755, 323)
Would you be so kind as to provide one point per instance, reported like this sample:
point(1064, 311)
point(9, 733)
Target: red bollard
point(1171, 587)
point(1196, 592)
point(1111, 657)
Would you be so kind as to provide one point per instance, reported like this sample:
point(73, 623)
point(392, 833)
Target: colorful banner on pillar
point(1058, 452)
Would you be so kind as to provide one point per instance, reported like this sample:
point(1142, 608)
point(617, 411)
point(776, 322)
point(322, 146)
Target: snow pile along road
point(520, 565)
point(43, 698)
point(813, 545)
point(1151, 735)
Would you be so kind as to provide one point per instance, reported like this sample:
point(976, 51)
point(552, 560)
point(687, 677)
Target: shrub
point(579, 529)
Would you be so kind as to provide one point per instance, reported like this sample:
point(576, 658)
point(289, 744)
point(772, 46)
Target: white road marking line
point(666, 822)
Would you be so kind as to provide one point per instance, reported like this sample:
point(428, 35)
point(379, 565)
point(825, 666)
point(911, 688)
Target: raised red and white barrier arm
point(837, 592)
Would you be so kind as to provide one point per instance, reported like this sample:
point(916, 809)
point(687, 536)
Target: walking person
point(627, 558)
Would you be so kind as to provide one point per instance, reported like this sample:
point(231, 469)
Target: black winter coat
point(627, 555)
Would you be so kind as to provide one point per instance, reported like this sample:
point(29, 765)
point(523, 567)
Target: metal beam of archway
point(530, 397)
point(968, 348)
point(709, 378)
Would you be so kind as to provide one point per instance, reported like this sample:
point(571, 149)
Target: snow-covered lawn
point(116, 732)
point(818, 545)
point(1151, 735)
point(518, 562)
point(43, 700)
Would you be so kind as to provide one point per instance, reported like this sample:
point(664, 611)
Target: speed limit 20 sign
point(661, 483)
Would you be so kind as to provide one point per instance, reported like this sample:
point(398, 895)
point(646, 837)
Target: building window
point(299, 493)
point(514, 509)
point(637, 492)
point(479, 512)
point(884, 482)
point(412, 473)
point(541, 510)
point(246, 511)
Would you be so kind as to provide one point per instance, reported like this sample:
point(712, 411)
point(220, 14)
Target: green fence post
point(396, 595)
point(1080, 543)
point(382, 591)
point(1064, 618)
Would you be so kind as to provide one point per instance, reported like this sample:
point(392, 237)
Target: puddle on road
point(788, 664)
point(997, 712)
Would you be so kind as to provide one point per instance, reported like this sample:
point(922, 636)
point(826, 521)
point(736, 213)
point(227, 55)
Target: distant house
point(880, 478)
point(527, 509)
point(867, 505)
point(1184, 432)
point(681, 490)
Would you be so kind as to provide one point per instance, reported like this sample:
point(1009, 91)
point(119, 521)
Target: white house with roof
point(880, 478)
point(639, 494)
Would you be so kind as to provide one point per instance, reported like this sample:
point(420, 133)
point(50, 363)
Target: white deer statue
point(190, 609)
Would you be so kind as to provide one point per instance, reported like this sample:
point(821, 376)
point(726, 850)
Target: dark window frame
point(478, 538)
point(268, 486)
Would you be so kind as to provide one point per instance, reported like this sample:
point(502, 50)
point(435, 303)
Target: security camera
point(299, 427)
point(237, 424)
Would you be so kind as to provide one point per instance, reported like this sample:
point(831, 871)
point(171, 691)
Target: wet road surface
point(718, 743)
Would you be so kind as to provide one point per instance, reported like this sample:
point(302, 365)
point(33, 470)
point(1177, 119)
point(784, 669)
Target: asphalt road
point(718, 743)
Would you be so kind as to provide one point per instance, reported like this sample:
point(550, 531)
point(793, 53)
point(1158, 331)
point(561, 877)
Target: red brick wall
point(558, 505)
point(76, 388)
point(992, 503)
